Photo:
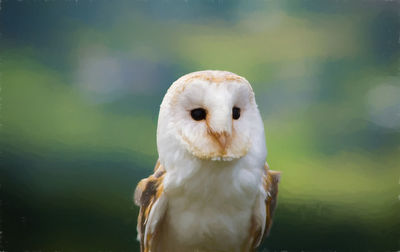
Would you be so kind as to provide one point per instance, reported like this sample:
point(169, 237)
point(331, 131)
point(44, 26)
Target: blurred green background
point(82, 81)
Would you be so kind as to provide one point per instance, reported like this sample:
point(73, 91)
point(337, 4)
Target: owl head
point(210, 115)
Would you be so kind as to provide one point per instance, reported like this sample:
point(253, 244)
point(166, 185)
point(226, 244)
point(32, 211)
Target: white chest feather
point(210, 207)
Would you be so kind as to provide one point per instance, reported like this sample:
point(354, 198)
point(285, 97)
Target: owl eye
point(198, 114)
point(235, 113)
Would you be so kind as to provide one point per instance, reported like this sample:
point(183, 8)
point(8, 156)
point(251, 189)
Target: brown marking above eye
point(198, 114)
point(235, 113)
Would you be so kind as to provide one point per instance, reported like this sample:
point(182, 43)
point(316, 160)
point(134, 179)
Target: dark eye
point(198, 114)
point(235, 113)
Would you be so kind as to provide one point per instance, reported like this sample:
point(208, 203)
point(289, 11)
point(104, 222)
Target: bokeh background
point(81, 84)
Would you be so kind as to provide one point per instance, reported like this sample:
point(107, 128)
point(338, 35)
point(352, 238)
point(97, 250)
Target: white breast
point(209, 209)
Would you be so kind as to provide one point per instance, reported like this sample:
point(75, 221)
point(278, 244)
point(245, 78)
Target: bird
point(211, 189)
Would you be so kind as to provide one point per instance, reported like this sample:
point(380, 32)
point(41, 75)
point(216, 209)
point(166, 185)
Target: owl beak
point(222, 138)
point(220, 126)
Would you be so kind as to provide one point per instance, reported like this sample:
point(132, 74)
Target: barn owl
point(211, 189)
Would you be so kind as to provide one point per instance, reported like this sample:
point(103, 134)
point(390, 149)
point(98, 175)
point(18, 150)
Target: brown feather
point(146, 194)
point(271, 180)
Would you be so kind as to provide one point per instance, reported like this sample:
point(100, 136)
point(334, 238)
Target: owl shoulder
point(271, 180)
point(148, 187)
point(147, 196)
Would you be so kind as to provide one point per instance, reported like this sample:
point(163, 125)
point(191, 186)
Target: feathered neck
point(203, 178)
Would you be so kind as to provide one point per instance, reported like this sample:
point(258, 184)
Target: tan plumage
point(147, 192)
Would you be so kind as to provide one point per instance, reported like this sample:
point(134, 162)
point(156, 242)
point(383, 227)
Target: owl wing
point(264, 208)
point(150, 198)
